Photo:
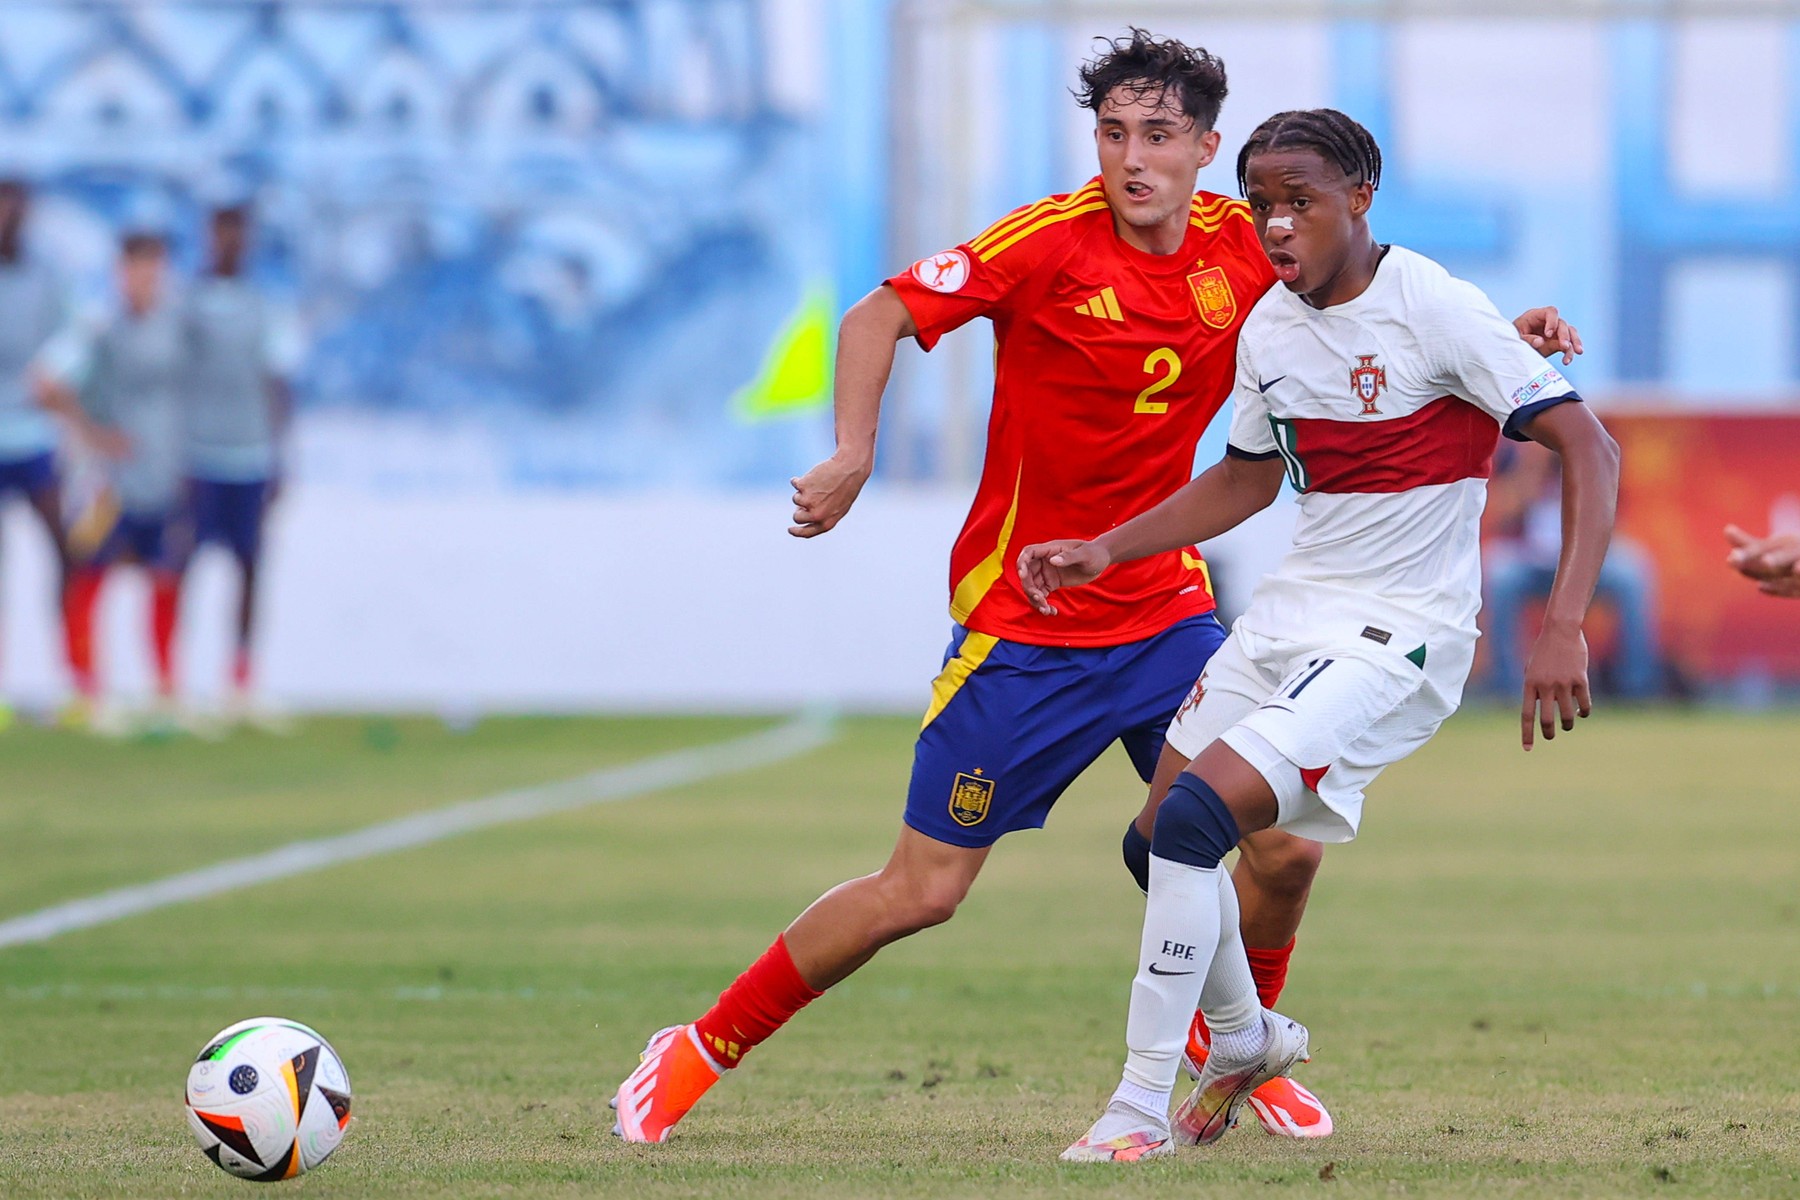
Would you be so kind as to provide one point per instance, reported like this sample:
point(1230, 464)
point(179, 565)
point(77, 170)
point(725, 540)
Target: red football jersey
point(1110, 363)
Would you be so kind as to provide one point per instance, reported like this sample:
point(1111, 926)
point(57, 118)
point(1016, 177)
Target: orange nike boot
point(1285, 1108)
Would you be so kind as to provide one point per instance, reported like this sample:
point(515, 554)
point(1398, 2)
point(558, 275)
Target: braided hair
point(1149, 67)
point(1333, 136)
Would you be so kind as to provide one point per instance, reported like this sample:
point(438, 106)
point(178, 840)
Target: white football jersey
point(1387, 411)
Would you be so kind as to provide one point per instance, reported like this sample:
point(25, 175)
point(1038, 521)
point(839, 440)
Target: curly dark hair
point(1150, 67)
point(1327, 132)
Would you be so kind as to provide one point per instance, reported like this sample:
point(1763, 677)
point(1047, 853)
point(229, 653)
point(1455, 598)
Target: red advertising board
point(1685, 477)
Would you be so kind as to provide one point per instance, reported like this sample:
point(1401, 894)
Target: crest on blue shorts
point(970, 798)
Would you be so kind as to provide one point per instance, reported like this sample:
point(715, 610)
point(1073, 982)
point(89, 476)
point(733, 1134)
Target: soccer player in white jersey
point(245, 349)
point(121, 371)
point(1379, 385)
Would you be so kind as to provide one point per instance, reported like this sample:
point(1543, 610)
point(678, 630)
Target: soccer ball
point(268, 1099)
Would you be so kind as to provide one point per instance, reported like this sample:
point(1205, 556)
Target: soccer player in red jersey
point(1115, 311)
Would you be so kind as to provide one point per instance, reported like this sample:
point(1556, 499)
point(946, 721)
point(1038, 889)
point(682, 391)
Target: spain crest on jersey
point(1368, 380)
point(1212, 294)
point(970, 798)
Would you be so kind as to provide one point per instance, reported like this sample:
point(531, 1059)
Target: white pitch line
point(627, 782)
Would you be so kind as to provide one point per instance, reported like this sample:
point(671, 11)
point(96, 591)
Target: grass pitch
point(1574, 973)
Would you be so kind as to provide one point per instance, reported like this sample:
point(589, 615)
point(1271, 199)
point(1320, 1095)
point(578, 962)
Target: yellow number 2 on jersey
point(1157, 360)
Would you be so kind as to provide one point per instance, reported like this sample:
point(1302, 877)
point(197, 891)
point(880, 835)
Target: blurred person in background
point(238, 404)
point(1519, 554)
point(117, 376)
point(1773, 562)
point(32, 309)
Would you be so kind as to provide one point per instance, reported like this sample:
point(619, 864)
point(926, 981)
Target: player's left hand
point(1544, 330)
point(1556, 683)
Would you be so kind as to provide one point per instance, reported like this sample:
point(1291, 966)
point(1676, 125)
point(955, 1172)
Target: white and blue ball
point(268, 1099)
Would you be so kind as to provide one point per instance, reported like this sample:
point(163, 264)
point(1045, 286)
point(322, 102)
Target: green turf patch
point(1565, 974)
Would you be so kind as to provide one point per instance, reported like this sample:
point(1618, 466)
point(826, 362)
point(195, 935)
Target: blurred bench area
point(568, 272)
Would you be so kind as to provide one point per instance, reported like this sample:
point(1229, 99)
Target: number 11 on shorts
point(1318, 668)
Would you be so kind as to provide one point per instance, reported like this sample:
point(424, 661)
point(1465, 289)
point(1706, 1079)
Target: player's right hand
point(1050, 565)
point(824, 494)
point(1773, 557)
point(1774, 561)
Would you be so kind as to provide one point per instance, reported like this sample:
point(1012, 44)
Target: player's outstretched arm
point(1223, 497)
point(865, 359)
point(1556, 679)
point(1544, 330)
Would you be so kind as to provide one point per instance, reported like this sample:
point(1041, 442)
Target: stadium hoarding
point(1686, 475)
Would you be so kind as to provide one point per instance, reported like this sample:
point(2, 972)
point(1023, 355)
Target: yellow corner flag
point(795, 375)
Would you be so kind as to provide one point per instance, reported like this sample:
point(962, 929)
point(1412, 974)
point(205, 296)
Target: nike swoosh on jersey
point(1154, 971)
point(1264, 387)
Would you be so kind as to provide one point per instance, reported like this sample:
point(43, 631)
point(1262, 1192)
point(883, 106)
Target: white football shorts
point(1339, 712)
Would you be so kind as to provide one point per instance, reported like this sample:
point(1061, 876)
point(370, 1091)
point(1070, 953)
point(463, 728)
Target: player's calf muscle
point(845, 927)
point(1274, 879)
point(1282, 866)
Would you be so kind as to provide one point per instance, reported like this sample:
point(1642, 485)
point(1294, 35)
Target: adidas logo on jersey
point(1105, 306)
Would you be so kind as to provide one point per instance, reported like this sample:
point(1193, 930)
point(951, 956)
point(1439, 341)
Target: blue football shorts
point(27, 476)
point(229, 515)
point(155, 541)
point(1011, 725)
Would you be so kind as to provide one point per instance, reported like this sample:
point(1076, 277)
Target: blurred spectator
point(118, 375)
point(1523, 539)
point(31, 311)
point(244, 350)
point(1774, 561)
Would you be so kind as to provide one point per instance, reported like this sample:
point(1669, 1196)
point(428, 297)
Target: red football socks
point(165, 600)
point(761, 1001)
point(1269, 968)
point(80, 597)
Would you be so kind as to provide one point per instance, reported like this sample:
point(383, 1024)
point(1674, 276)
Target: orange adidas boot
point(672, 1074)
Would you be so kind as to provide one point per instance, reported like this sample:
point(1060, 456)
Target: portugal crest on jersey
point(1212, 293)
point(970, 798)
point(1368, 380)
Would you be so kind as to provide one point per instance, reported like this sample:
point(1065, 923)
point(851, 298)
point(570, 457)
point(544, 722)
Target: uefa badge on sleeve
point(946, 272)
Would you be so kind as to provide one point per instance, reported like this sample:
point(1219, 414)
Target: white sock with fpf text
point(1229, 1000)
point(1181, 932)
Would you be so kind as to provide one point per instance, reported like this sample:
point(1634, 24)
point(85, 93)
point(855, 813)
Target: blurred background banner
point(1685, 476)
point(1598, 156)
point(534, 244)
point(570, 270)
